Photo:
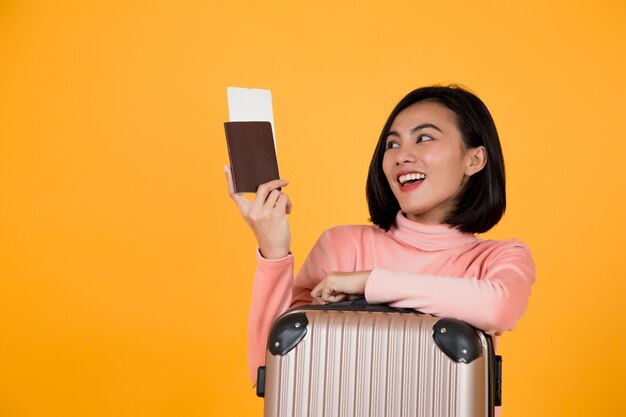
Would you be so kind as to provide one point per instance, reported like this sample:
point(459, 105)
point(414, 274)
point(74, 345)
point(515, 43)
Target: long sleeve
point(271, 295)
point(274, 292)
point(493, 302)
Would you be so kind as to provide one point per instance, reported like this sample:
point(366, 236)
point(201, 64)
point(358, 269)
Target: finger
point(319, 300)
point(229, 180)
point(283, 204)
point(336, 298)
point(264, 189)
point(242, 203)
point(327, 293)
point(272, 199)
point(316, 292)
point(289, 205)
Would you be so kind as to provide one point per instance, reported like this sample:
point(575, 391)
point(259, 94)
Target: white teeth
point(409, 177)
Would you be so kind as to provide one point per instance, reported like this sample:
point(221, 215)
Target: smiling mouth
point(412, 178)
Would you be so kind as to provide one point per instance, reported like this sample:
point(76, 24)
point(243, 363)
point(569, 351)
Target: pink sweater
point(433, 268)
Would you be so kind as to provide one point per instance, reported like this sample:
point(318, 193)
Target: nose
point(405, 155)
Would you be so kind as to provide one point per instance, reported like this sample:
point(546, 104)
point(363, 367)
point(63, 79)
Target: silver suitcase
point(355, 359)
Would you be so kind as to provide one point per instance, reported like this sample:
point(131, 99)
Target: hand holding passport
point(254, 169)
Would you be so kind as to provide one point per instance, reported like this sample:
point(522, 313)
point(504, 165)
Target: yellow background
point(125, 270)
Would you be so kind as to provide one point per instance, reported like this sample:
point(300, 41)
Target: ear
point(475, 158)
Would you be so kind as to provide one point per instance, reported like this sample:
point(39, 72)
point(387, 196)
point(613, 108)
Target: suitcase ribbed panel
point(372, 365)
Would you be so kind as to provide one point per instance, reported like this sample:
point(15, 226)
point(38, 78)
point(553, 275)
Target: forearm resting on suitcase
point(491, 304)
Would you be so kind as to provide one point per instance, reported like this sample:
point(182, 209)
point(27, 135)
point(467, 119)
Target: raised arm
point(274, 292)
point(266, 215)
point(492, 303)
point(271, 296)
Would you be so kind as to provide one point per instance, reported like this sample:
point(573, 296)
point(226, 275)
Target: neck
point(429, 237)
point(431, 219)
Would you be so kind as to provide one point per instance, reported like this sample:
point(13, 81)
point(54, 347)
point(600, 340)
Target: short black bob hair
point(482, 201)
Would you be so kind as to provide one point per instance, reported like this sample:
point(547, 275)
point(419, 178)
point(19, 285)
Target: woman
point(436, 179)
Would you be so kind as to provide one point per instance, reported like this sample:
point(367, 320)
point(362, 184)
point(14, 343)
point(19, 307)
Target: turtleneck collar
point(429, 237)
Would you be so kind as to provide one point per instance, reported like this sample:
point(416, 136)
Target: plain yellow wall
point(125, 270)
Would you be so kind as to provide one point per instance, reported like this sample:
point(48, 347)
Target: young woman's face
point(426, 162)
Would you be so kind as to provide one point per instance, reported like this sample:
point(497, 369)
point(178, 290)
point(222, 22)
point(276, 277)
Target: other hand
point(338, 286)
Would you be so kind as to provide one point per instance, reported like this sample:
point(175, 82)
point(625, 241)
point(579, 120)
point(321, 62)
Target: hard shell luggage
point(355, 359)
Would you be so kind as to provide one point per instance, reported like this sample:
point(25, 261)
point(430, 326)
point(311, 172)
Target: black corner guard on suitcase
point(458, 340)
point(286, 333)
point(260, 382)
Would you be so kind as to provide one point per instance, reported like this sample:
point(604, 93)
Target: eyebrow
point(416, 128)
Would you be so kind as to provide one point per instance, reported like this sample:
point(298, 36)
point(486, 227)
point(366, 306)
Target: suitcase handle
point(354, 302)
point(358, 304)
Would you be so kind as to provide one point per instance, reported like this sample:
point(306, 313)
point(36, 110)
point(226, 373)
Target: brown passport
point(252, 154)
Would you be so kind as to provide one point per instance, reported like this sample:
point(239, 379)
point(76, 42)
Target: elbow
point(503, 312)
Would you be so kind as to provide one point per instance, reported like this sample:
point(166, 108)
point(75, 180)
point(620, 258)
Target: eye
point(424, 138)
point(391, 145)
